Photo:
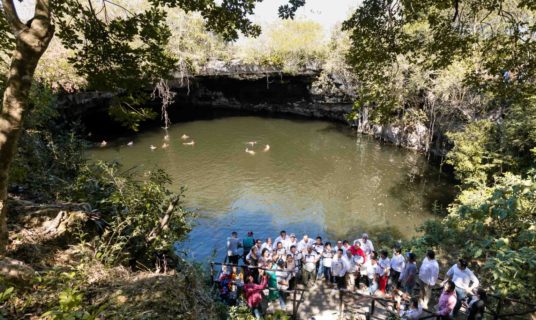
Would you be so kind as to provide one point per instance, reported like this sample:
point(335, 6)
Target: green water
point(317, 178)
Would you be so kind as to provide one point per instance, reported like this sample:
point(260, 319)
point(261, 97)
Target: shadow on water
point(426, 183)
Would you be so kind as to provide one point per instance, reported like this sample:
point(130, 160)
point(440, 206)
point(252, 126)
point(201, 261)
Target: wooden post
point(498, 310)
point(294, 306)
point(212, 273)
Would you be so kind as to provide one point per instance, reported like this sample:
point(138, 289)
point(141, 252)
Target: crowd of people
point(277, 266)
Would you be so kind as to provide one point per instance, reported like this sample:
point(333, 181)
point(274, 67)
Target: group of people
point(280, 265)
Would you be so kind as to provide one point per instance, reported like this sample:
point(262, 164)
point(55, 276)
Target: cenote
point(318, 178)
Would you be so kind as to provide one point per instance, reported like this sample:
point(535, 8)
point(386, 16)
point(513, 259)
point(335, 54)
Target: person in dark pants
point(478, 305)
point(397, 266)
point(247, 243)
point(233, 243)
point(338, 269)
point(327, 258)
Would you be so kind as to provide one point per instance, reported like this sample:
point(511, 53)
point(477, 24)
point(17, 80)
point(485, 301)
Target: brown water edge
point(318, 178)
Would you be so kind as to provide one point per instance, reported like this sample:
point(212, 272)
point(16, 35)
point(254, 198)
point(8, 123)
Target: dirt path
point(322, 302)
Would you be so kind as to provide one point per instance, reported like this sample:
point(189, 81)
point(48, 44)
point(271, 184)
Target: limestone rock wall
point(252, 89)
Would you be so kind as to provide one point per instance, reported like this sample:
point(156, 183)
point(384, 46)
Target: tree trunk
point(32, 39)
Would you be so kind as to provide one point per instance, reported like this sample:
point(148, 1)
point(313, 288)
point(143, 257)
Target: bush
point(495, 227)
point(143, 216)
point(50, 153)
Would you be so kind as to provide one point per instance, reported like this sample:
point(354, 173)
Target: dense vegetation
point(463, 69)
point(466, 70)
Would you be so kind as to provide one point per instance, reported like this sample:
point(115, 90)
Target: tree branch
point(11, 16)
point(42, 9)
point(456, 8)
point(164, 221)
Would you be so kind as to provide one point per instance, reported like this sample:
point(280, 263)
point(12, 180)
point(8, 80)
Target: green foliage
point(470, 156)
point(133, 210)
point(50, 152)
point(286, 45)
point(240, 312)
point(192, 44)
point(495, 226)
point(127, 111)
point(8, 292)
point(70, 303)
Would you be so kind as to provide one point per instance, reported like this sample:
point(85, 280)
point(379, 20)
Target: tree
point(494, 39)
point(123, 53)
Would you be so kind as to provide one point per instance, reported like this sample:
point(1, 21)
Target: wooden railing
point(494, 312)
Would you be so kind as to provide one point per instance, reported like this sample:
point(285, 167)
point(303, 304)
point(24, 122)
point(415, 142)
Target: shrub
point(143, 216)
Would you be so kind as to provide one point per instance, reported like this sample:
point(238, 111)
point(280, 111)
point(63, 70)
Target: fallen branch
point(164, 221)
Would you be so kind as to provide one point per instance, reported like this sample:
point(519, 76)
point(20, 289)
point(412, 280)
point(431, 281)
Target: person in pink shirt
point(447, 301)
point(253, 293)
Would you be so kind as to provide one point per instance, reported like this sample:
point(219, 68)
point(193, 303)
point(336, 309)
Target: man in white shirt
point(283, 239)
point(366, 245)
point(338, 269)
point(298, 257)
point(310, 258)
point(465, 281)
point(397, 266)
point(292, 241)
point(233, 243)
point(373, 274)
point(268, 245)
point(351, 270)
point(280, 253)
point(304, 243)
point(428, 274)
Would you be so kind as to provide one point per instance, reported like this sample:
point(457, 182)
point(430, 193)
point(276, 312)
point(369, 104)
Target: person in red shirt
point(359, 257)
point(253, 293)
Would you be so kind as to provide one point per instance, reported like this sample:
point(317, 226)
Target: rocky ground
point(49, 274)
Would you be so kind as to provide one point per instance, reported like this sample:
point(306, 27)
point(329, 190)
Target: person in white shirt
point(338, 269)
point(318, 248)
point(283, 239)
point(397, 266)
point(297, 260)
point(266, 257)
point(351, 270)
point(280, 253)
point(292, 241)
point(327, 258)
point(310, 258)
point(373, 273)
point(366, 245)
point(267, 245)
point(428, 274)
point(233, 243)
point(304, 243)
point(465, 281)
point(385, 265)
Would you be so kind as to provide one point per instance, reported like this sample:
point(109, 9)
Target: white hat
point(365, 235)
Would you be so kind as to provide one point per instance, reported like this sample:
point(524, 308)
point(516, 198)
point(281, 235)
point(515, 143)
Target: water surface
point(317, 178)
